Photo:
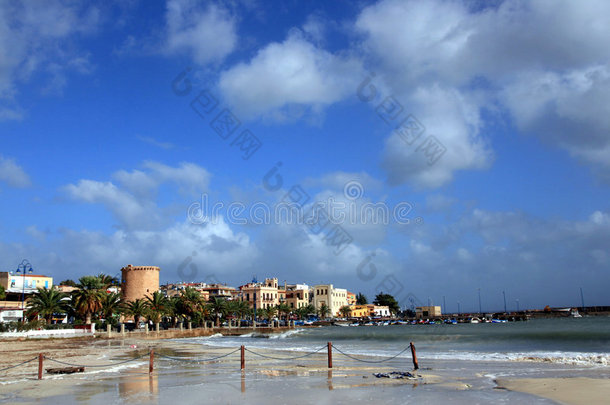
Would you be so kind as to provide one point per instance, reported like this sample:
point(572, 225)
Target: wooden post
point(415, 365)
point(146, 328)
point(329, 347)
point(190, 325)
point(109, 329)
point(151, 361)
point(243, 357)
point(157, 327)
point(122, 328)
point(40, 359)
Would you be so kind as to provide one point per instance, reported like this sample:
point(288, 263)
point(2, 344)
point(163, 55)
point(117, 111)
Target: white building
point(333, 298)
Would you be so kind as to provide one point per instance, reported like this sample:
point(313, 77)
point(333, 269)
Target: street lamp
point(24, 267)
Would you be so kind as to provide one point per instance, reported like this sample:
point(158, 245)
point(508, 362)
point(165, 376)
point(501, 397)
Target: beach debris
point(395, 374)
point(66, 370)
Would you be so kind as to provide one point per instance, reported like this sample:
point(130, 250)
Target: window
point(33, 283)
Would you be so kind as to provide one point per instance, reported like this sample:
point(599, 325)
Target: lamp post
point(24, 267)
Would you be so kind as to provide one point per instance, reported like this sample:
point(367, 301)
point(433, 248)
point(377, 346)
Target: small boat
point(474, 320)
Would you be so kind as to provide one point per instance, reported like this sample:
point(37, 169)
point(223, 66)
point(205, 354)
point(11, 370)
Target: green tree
point(271, 313)
point(324, 311)
point(46, 303)
point(345, 311)
point(87, 300)
point(387, 300)
point(157, 306)
point(190, 304)
point(218, 308)
point(2, 293)
point(111, 305)
point(68, 282)
point(137, 308)
point(107, 281)
point(361, 299)
point(283, 309)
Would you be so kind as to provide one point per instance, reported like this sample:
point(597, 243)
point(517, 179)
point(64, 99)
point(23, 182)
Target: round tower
point(139, 281)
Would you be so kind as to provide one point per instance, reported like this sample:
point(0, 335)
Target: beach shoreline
point(436, 380)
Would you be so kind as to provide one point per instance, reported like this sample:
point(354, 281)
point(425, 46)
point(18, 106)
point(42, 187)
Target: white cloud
point(133, 203)
point(286, 79)
point(12, 174)
point(36, 36)
point(454, 121)
point(200, 251)
point(208, 35)
point(546, 62)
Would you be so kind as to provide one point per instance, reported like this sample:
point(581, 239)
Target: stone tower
point(139, 281)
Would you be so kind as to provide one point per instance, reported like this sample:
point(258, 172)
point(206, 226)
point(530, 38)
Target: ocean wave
point(582, 359)
point(574, 358)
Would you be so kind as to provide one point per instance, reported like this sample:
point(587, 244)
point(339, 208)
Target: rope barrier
point(285, 358)
point(197, 360)
point(20, 364)
point(95, 365)
point(370, 361)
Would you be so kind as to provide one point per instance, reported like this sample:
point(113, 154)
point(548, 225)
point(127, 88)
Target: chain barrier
point(284, 358)
point(20, 364)
point(95, 365)
point(370, 361)
point(197, 360)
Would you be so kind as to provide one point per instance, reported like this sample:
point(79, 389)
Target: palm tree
point(271, 313)
point(137, 308)
point(111, 305)
point(283, 309)
point(345, 311)
point(87, 300)
point(2, 293)
point(218, 307)
point(243, 310)
point(46, 303)
point(324, 310)
point(189, 303)
point(157, 306)
point(107, 281)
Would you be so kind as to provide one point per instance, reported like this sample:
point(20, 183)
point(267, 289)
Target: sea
point(575, 341)
point(461, 364)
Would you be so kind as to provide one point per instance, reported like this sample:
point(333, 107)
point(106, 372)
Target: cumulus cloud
point(491, 250)
point(13, 174)
point(286, 79)
point(207, 34)
point(133, 201)
point(546, 63)
point(36, 36)
point(184, 252)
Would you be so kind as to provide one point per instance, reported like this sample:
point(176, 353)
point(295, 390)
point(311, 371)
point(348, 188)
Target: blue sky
point(504, 178)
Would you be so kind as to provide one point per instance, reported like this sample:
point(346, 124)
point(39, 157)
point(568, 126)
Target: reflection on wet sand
point(139, 386)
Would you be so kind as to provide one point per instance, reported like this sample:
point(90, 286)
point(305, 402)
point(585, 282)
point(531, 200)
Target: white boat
point(474, 320)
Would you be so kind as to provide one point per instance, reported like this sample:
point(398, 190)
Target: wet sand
point(571, 391)
point(265, 380)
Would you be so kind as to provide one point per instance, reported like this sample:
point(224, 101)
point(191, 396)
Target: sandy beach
point(124, 377)
point(571, 391)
